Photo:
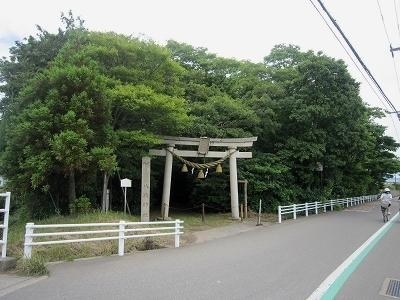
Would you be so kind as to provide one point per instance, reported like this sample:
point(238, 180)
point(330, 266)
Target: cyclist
point(386, 200)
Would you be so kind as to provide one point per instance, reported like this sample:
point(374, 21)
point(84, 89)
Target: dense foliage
point(79, 109)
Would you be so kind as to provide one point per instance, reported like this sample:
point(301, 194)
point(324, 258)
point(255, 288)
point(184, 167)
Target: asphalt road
point(279, 261)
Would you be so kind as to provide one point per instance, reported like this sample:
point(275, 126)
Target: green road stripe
point(338, 283)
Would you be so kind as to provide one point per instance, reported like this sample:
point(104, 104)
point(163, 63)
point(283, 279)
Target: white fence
point(315, 207)
point(123, 230)
point(4, 226)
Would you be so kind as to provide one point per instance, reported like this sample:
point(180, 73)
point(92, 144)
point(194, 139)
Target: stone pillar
point(145, 192)
point(167, 181)
point(234, 184)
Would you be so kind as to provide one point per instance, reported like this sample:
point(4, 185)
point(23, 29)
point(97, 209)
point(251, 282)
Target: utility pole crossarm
point(394, 49)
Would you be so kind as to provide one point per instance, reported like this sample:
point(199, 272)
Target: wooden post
point(124, 200)
point(203, 217)
point(259, 214)
point(245, 199)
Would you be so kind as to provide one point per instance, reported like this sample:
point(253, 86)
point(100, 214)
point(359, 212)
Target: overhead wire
point(397, 17)
point(384, 24)
point(352, 59)
point(390, 44)
point(393, 60)
point(355, 53)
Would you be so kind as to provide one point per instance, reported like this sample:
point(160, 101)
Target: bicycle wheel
point(384, 214)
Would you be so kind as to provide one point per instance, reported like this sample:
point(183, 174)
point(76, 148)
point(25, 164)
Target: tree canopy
point(81, 107)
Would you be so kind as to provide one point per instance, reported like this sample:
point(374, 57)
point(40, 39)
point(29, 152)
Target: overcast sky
point(240, 29)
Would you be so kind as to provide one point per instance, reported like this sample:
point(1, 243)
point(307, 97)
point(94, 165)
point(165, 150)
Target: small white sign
point(126, 182)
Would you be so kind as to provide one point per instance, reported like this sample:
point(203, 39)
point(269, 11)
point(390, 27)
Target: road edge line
point(337, 278)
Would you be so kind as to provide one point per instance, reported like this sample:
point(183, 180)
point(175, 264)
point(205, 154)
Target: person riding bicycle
point(386, 200)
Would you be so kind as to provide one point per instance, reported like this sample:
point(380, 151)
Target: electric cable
point(384, 24)
point(390, 44)
point(355, 53)
point(397, 17)
point(347, 52)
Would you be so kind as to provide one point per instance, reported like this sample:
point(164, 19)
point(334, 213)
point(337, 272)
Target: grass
point(32, 267)
point(68, 252)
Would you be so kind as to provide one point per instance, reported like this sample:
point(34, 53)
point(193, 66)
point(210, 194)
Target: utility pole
point(394, 112)
point(394, 49)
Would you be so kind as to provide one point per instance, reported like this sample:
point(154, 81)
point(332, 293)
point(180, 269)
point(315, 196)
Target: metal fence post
point(177, 222)
point(331, 205)
point(28, 240)
point(121, 238)
point(324, 207)
point(279, 214)
point(306, 208)
point(316, 207)
point(5, 224)
point(294, 211)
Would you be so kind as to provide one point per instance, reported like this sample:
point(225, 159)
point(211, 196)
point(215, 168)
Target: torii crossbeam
point(203, 144)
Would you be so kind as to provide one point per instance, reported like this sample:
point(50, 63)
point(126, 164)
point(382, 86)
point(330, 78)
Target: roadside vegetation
point(79, 109)
point(42, 255)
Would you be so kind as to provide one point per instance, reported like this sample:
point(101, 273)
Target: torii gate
point(203, 144)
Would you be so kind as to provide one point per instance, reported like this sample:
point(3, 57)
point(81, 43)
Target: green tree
point(101, 92)
point(107, 162)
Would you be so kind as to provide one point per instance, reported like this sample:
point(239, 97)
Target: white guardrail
point(4, 226)
point(120, 233)
point(313, 207)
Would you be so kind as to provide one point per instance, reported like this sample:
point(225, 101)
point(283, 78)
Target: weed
point(36, 266)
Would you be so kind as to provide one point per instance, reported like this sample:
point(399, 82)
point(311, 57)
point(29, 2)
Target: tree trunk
point(104, 207)
point(71, 187)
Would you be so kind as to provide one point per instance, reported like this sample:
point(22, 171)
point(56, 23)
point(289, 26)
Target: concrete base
point(7, 263)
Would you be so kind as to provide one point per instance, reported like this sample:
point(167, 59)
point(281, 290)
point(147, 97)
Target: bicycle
point(385, 213)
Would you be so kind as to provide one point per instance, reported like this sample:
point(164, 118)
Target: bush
point(81, 205)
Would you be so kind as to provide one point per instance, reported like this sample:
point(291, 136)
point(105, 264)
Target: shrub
point(81, 205)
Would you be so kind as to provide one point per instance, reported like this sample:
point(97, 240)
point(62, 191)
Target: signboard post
point(125, 183)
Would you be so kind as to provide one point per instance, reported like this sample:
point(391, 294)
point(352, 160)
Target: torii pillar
point(232, 146)
point(233, 183)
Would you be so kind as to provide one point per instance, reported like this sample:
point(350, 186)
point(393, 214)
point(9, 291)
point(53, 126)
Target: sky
point(245, 30)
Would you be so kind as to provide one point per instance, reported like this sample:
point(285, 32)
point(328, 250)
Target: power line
point(397, 17)
point(394, 63)
point(355, 64)
point(358, 57)
point(384, 25)
point(390, 44)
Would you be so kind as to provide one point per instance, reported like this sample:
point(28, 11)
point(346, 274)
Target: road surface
point(279, 261)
